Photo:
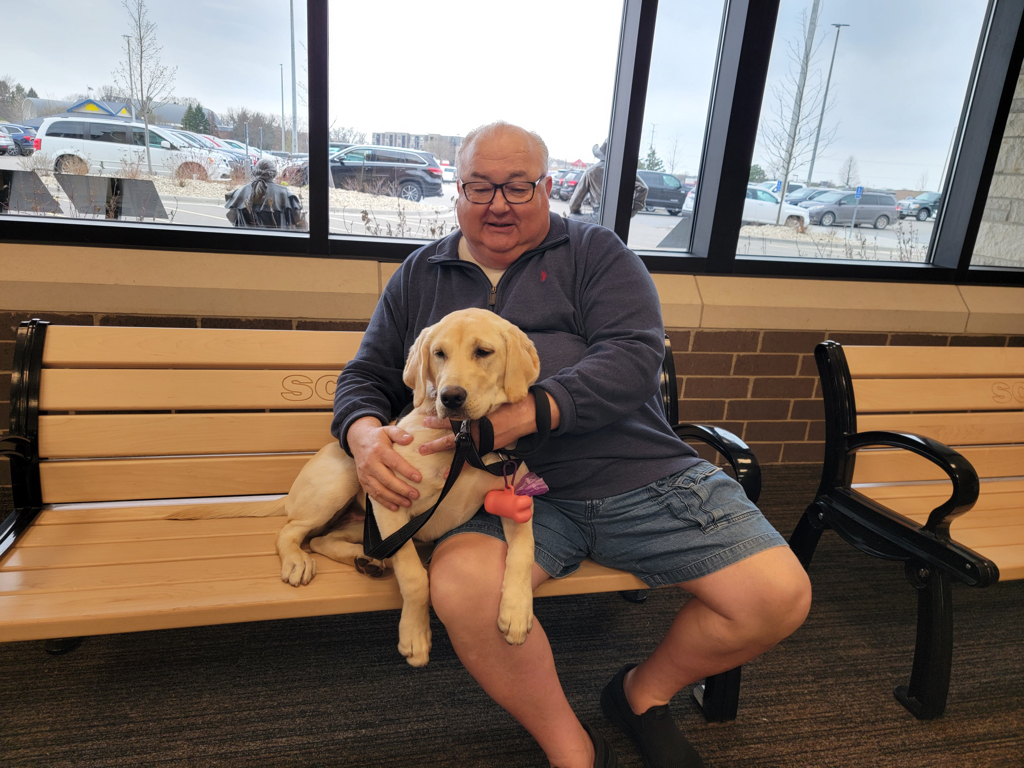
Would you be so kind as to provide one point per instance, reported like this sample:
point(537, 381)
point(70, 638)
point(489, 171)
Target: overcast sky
point(897, 89)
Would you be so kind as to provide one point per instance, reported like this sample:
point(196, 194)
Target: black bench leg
point(804, 539)
point(719, 696)
point(925, 697)
point(60, 645)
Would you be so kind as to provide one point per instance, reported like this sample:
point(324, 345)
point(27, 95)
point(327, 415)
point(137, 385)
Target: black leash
point(465, 452)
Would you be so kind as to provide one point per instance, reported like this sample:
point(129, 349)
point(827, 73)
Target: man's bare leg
point(735, 614)
point(466, 573)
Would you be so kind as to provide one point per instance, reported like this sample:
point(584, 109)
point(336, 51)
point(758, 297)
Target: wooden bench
point(893, 487)
point(112, 427)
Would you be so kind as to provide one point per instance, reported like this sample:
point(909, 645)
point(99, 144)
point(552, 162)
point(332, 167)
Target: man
point(591, 183)
point(625, 490)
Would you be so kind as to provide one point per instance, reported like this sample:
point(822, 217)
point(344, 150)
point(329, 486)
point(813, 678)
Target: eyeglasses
point(515, 192)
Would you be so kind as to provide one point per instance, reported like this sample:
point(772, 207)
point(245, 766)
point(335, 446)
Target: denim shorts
point(676, 529)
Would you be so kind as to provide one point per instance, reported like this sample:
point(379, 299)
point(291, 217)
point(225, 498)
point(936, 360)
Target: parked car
point(806, 193)
point(663, 191)
point(568, 185)
point(792, 186)
point(23, 137)
point(557, 177)
point(406, 173)
point(235, 158)
point(449, 173)
point(106, 144)
point(841, 206)
point(762, 207)
point(7, 145)
point(921, 207)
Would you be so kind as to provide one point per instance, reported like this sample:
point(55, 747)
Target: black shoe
point(604, 755)
point(662, 744)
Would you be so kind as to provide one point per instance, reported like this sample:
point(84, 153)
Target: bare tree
point(849, 176)
point(922, 180)
point(672, 158)
point(142, 77)
point(786, 134)
point(345, 135)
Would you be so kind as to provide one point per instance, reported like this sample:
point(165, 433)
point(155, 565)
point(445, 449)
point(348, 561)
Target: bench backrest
point(153, 413)
point(970, 398)
point(123, 414)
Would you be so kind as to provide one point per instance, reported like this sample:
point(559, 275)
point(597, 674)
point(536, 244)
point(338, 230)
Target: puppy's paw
point(515, 620)
point(298, 568)
point(372, 568)
point(414, 643)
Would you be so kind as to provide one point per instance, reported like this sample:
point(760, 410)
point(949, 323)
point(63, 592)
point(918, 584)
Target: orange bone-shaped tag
point(507, 503)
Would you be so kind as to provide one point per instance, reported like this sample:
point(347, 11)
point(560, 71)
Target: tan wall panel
point(128, 479)
point(899, 466)
point(69, 389)
point(994, 309)
point(166, 434)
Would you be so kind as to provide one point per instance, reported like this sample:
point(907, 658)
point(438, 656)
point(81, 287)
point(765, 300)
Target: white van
point(109, 146)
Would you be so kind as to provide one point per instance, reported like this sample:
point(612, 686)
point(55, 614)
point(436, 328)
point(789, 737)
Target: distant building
point(34, 110)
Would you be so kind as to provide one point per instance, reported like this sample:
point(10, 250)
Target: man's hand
point(378, 466)
point(509, 421)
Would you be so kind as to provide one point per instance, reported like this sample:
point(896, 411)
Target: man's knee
point(465, 573)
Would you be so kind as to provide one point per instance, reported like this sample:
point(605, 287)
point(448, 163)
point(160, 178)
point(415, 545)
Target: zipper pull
point(494, 296)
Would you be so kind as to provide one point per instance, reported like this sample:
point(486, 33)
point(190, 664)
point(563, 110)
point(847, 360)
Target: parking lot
point(905, 240)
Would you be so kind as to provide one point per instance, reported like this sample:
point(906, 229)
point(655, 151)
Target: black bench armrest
point(735, 451)
point(966, 486)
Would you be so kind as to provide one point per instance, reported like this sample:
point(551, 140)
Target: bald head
point(501, 128)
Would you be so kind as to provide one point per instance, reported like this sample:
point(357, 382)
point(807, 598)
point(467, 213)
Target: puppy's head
point(469, 363)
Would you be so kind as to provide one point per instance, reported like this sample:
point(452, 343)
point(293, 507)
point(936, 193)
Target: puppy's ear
point(522, 366)
point(417, 367)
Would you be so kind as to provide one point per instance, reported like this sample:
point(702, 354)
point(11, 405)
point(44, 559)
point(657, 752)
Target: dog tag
point(508, 503)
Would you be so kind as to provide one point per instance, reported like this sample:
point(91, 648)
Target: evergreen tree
point(32, 93)
point(757, 174)
point(195, 119)
point(188, 120)
point(652, 162)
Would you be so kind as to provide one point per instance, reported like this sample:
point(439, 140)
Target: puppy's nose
point(453, 398)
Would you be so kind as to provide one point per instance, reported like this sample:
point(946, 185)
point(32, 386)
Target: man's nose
point(499, 204)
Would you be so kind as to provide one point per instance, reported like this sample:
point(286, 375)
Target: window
point(549, 66)
point(220, 76)
point(852, 101)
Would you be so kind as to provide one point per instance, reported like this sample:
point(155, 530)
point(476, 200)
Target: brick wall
point(761, 385)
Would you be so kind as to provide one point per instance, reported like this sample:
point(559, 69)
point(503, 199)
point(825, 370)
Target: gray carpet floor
point(333, 691)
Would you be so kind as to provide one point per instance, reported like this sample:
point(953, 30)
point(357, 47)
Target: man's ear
point(417, 367)
point(522, 366)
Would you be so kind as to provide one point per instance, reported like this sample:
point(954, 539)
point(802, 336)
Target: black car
point(663, 191)
point(23, 137)
point(556, 182)
point(406, 173)
point(921, 207)
point(568, 185)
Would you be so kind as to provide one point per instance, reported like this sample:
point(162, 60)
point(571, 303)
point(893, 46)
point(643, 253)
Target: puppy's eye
point(439, 354)
point(481, 352)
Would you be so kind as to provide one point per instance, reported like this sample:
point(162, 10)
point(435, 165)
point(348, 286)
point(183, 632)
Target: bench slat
point(953, 429)
point(68, 389)
point(989, 488)
point(903, 466)
point(90, 533)
point(111, 347)
point(944, 395)
point(151, 434)
point(1010, 560)
point(95, 513)
point(934, 362)
point(246, 591)
point(130, 479)
point(991, 509)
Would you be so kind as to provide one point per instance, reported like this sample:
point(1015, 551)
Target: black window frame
point(744, 52)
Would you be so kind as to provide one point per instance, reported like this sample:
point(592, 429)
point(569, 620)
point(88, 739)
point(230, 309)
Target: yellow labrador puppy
point(462, 368)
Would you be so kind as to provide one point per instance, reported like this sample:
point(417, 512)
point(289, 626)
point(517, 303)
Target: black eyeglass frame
point(496, 187)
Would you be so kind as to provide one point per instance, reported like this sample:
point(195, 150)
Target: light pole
point(824, 101)
point(282, 107)
point(295, 110)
